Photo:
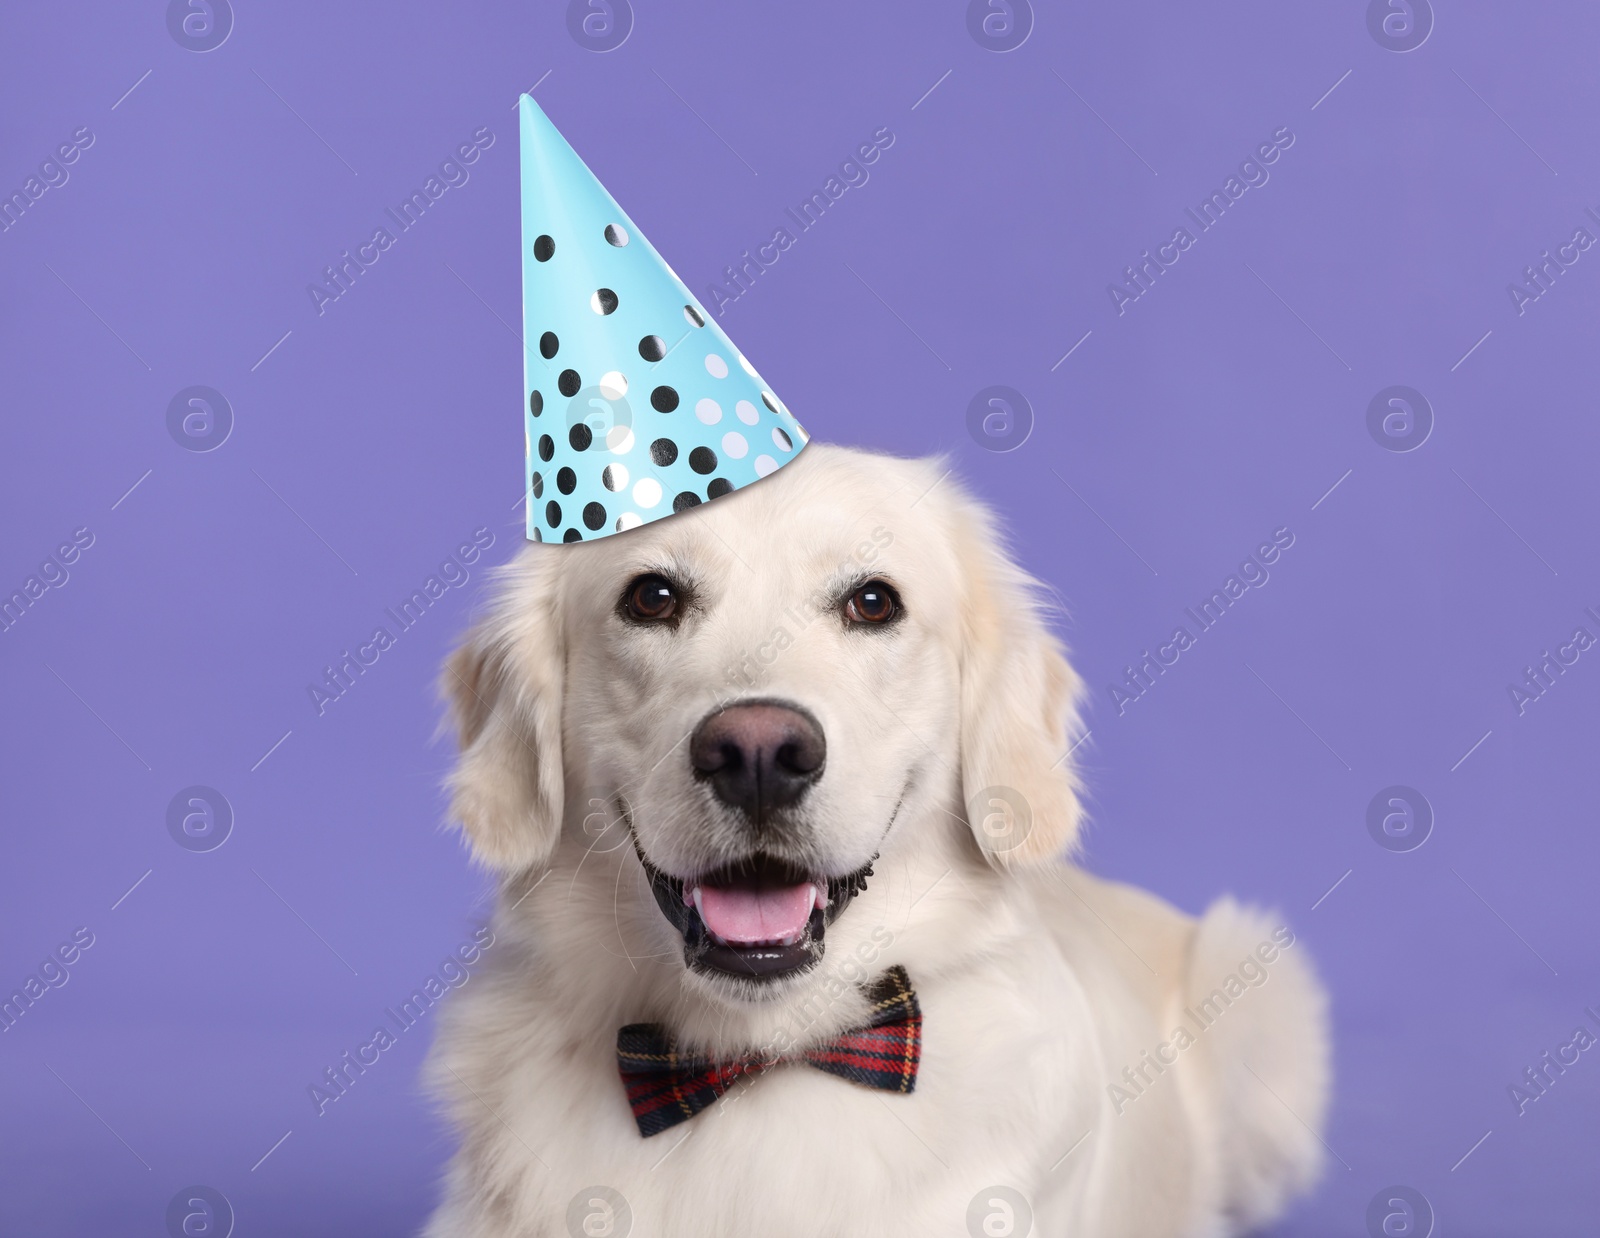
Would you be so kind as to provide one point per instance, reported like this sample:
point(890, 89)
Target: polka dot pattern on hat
point(703, 460)
point(638, 406)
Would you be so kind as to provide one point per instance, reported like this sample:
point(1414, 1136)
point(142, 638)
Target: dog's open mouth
point(757, 918)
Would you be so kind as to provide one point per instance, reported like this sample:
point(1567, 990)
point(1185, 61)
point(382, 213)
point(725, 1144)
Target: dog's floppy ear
point(1018, 704)
point(504, 686)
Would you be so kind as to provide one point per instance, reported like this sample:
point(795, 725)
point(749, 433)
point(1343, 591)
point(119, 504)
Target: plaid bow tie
point(666, 1087)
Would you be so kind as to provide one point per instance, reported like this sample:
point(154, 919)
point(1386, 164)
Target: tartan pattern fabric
point(666, 1087)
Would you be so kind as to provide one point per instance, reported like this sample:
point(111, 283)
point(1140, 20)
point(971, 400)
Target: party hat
point(638, 406)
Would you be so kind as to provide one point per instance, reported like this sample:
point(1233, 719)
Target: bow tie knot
point(666, 1087)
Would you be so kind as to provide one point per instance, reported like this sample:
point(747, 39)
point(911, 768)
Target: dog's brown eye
point(873, 603)
point(651, 597)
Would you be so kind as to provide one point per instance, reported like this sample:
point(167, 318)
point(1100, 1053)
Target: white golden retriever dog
point(735, 766)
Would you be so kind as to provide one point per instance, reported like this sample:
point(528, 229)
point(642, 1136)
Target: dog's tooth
point(694, 897)
point(819, 899)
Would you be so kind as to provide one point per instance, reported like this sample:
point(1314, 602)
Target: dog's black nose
point(759, 756)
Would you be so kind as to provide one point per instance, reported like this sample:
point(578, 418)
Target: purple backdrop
point(1441, 543)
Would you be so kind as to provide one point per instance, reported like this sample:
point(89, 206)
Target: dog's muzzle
point(759, 918)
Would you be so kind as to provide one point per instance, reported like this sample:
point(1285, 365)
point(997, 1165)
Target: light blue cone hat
point(638, 406)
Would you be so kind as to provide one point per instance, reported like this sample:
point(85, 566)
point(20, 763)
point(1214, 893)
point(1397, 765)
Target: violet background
point(1194, 424)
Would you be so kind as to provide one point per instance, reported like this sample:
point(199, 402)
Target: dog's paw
point(1252, 986)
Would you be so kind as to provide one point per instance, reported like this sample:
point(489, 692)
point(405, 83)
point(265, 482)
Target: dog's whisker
point(666, 954)
point(616, 916)
point(576, 872)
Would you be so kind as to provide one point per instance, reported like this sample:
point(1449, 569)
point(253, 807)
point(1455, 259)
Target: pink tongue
point(745, 917)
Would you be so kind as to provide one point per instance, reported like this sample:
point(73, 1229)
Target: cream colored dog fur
point(1053, 1001)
